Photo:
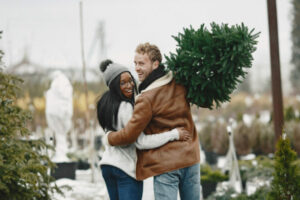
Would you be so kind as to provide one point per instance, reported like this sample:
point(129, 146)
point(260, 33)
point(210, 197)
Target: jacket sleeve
point(142, 114)
point(156, 140)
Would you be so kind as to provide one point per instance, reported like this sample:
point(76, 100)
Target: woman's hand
point(184, 135)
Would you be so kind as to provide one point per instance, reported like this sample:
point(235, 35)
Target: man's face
point(144, 66)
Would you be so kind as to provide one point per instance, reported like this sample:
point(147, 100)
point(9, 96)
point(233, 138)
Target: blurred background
point(40, 37)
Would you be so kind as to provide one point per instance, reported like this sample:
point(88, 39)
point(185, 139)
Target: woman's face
point(126, 84)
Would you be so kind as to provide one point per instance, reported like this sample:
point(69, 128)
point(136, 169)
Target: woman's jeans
point(187, 180)
point(120, 185)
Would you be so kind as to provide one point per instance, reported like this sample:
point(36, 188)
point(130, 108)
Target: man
point(162, 106)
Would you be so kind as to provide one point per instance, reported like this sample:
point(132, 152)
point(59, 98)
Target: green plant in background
point(292, 129)
point(289, 114)
point(23, 166)
point(210, 178)
point(266, 139)
point(261, 167)
point(286, 181)
point(242, 139)
point(219, 138)
point(205, 137)
point(210, 64)
point(260, 194)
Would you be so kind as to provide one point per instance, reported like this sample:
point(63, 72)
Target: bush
point(209, 179)
point(286, 181)
point(220, 139)
point(260, 194)
point(296, 138)
point(289, 114)
point(205, 137)
point(210, 64)
point(261, 167)
point(242, 139)
point(23, 167)
point(214, 138)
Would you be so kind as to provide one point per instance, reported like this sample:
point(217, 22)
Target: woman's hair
point(108, 105)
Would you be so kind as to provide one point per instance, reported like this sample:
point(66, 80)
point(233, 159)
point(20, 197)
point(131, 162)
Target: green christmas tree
point(286, 182)
point(23, 167)
point(210, 63)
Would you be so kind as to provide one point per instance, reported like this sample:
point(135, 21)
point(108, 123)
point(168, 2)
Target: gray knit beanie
point(112, 71)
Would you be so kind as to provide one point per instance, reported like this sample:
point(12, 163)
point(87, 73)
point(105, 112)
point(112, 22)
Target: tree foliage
point(286, 182)
point(210, 64)
point(23, 166)
point(295, 74)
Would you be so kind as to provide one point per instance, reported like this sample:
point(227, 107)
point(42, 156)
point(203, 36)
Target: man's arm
point(142, 114)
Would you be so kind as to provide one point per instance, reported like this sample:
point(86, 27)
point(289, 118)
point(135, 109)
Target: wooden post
point(275, 69)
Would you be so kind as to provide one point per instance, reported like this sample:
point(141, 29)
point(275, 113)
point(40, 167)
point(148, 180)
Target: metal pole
point(83, 60)
point(87, 114)
point(275, 69)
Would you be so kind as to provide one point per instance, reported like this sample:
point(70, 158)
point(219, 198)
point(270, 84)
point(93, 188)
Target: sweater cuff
point(105, 139)
point(175, 132)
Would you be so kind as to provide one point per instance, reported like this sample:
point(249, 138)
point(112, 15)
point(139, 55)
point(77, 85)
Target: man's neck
point(154, 75)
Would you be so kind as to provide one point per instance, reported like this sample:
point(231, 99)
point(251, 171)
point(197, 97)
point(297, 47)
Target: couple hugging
point(150, 131)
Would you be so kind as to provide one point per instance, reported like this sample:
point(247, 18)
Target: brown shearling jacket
point(161, 107)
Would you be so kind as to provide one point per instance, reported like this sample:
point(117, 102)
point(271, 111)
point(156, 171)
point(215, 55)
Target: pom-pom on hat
point(111, 70)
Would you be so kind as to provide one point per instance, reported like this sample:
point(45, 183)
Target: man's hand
point(184, 135)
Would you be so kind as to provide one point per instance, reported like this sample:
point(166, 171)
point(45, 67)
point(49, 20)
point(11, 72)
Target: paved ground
point(84, 189)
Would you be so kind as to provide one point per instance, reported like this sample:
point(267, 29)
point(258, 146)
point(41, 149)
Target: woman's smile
point(126, 84)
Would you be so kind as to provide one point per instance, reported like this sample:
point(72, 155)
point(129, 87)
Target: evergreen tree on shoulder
point(286, 182)
point(23, 166)
point(210, 63)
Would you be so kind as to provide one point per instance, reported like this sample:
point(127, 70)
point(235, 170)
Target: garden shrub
point(23, 166)
point(210, 178)
point(220, 139)
point(289, 114)
point(242, 139)
point(261, 167)
point(267, 139)
point(286, 178)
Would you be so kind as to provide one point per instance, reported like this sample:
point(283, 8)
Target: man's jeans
point(187, 180)
point(120, 185)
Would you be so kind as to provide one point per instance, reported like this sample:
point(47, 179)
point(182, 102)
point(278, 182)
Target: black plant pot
point(65, 170)
point(211, 157)
point(208, 187)
point(83, 165)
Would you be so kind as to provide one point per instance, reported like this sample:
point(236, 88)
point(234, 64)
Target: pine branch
point(210, 64)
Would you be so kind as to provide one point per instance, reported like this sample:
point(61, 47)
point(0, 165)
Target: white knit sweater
point(125, 157)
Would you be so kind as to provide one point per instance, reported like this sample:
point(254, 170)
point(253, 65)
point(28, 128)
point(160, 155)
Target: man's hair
point(151, 50)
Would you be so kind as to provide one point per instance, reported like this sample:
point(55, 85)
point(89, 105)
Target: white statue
point(59, 111)
point(232, 165)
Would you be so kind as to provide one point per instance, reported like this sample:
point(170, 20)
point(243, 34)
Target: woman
point(114, 110)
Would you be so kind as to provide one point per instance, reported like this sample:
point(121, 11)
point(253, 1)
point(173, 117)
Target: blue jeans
point(187, 180)
point(120, 185)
